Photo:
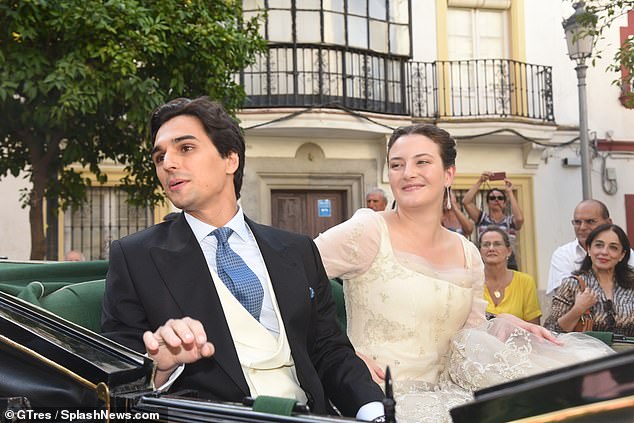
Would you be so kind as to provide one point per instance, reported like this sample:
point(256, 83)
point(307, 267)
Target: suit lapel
point(184, 271)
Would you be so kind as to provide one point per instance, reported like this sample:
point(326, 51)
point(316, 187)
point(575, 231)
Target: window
point(477, 33)
point(106, 216)
point(478, 46)
point(307, 61)
point(378, 25)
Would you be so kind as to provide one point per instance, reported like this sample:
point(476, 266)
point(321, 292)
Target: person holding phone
point(497, 210)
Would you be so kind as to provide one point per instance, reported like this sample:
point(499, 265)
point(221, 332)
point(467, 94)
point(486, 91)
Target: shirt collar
point(202, 229)
point(579, 252)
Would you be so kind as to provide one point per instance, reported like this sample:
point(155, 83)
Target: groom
point(222, 304)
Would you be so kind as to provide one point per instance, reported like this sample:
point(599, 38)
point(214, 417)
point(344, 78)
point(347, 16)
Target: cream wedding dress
point(428, 324)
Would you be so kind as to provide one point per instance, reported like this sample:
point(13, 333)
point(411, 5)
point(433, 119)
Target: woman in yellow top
point(507, 291)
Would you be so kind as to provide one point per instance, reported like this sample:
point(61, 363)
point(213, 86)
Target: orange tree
point(78, 79)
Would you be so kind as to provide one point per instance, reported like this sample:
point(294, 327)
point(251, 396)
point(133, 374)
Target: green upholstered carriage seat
point(74, 290)
point(21, 273)
point(71, 290)
point(79, 302)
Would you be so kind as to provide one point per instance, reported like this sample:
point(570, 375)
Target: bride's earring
point(448, 198)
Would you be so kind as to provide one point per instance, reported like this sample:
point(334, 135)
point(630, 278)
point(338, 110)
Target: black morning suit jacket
point(160, 273)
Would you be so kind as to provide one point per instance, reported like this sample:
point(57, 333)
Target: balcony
point(330, 76)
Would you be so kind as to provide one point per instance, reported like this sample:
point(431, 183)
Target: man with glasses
point(588, 215)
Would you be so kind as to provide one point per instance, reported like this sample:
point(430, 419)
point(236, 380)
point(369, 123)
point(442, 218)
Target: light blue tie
point(236, 275)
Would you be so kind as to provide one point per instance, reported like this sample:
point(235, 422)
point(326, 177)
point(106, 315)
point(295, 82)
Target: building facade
point(494, 73)
point(340, 75)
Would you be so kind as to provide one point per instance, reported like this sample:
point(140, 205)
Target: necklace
point(496, 292)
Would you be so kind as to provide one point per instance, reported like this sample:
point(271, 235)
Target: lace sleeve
point(348, 249)
point(562, 303)
point(479, 304)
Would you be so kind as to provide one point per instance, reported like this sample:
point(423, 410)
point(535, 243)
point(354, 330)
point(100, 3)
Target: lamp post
point(579, 49)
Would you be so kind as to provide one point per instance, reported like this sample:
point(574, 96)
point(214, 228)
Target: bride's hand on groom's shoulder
point(537, 330)
point(377, 372)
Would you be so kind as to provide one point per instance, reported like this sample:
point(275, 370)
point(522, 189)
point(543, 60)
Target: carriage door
point(307, 212)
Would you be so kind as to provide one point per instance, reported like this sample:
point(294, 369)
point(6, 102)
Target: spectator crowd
point(600, 254)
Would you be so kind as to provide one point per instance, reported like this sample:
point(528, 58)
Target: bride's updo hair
point(446, 144)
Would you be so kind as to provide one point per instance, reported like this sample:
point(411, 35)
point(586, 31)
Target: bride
point(414, 292)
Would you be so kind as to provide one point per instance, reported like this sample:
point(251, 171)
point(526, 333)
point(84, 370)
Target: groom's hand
point(177, 342)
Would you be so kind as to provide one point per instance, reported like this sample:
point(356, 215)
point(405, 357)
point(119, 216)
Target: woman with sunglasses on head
point(507, 291)
point(413, 291)
point(496, 214)
point(609, 281)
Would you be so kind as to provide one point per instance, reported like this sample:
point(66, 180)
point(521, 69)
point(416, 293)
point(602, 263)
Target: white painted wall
point(546, 45)
point(604, 110)
point(15, 231)
point(333, 148)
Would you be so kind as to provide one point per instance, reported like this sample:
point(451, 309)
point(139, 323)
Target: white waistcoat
point(266, 362)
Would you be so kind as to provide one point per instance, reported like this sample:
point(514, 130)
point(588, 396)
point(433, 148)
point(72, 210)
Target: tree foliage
point(601, 14)
point(79, 78)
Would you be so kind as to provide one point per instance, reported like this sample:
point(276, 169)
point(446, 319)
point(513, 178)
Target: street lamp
point(580, 42)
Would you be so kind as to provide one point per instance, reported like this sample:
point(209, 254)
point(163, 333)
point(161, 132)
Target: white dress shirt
point(244, 244)
point(565, 260)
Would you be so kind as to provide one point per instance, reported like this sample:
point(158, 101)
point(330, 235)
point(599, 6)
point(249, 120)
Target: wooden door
point(307, 212)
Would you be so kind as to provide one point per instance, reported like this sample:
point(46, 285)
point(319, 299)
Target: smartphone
point(497, 176)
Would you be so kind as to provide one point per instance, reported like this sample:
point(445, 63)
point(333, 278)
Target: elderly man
point(588, 215)
point(376, 199)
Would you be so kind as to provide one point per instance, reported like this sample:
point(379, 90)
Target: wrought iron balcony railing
point(309, 75)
